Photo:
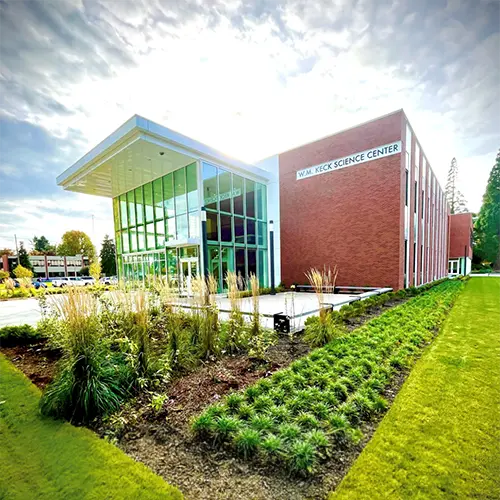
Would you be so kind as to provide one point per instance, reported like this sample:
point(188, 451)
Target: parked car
point(109, 280)
point(68, 281)
point(88, 280)
point(38, 283)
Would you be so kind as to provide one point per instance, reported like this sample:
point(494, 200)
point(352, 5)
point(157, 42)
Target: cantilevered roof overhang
point(139, 152)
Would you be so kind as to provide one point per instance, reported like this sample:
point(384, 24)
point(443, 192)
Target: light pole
point(271, 248)
point(204, 241)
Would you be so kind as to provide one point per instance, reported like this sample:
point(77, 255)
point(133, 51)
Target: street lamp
point(271, 248)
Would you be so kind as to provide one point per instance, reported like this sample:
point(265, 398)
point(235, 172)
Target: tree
point(76, 243)
point(6, 251)
point(487, 227)
point(108, 256)
point(455, 198)
point(40, 244)
point(95, 271)
point(24, 259)
point(3, 275)
point(22, 272)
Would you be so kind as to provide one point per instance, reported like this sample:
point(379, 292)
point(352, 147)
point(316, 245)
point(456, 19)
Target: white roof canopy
point(138, 152)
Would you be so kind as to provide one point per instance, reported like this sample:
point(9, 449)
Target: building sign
point(354, 159)
point(223, 196)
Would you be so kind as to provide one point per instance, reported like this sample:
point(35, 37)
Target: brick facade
point(355, 217)
point(460, 235)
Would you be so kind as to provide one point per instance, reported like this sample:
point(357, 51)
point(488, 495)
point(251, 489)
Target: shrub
point(18, 335)
point(21, 272)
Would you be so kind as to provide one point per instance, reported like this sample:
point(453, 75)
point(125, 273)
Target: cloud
point(251, 78)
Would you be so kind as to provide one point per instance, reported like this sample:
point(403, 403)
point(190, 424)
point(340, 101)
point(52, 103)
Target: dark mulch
point(37, 361)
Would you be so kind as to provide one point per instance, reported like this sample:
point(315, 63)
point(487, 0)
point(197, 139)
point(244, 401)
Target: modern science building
point(364, 199)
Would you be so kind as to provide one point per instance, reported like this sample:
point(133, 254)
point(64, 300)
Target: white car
point(109, 280)
point(68, 281)
point(88, 280)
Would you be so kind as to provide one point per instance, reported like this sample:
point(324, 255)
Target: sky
point(251, 78)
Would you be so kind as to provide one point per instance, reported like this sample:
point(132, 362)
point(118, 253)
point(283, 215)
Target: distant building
point(48, 266)
point(460, 246)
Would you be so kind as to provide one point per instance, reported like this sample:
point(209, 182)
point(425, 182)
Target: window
point(170, 233)
point(239, 230)
point(225, 191)
point(212, 226)
point(150, 237)
point(192, 187)
point(158, 198)
point(250, 198)
point(252, 261)
point(141, 242)
point(238, 194)
point(406, 187)
point(180, 192)
point(168, 195)
point(240, 262)
point(131, 208)
point(160, 234)
point(181, 223)
point(262, 234)
point(148, 202)
point(123, 211)
point(210, 191)
point(139, 200)
point(251, 240)
point(226, 231)
point(261, 201)
point(416, 197)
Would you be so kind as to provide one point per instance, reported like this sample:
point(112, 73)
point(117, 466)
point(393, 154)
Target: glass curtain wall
point(149, 216)
point(236, 225)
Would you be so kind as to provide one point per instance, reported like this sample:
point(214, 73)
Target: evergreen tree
point(455, 198)
point(24, 259)
point(108, 257)
point(40, 244)
point(487, 227)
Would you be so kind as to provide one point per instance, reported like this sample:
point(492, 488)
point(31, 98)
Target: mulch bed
point(163, 441)
point(37, 361)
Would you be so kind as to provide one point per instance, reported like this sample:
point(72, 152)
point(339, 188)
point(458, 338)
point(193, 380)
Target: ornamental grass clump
point(235, 335)
point(299, 415)
point(88, 383)
point(321, 330)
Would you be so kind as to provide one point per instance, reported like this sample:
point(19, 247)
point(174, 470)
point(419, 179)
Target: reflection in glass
point(238, 194)
point(212, 227)
point(225, 191)
point(168, 195)
point(210, 192)
point(239, 230)
point(250, 197)
point(240, 262)
point(226, 233)
point(180, 191)
point(139, 205)
point(250, 232)
point(148, 202)
point(158, 198)
point(192, 187)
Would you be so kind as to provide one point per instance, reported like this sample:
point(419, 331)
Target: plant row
point(298, 415)
point(319, 330)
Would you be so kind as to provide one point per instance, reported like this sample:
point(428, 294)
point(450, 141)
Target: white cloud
point(254, 79)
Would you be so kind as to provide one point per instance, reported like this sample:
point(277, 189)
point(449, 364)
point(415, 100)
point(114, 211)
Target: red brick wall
point(350, 217)
point(460, 230)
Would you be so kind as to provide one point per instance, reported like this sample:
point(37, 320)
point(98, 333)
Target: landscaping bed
point(153, 423)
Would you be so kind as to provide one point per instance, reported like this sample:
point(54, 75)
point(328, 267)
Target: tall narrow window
point(416, 197)
point(406, 187)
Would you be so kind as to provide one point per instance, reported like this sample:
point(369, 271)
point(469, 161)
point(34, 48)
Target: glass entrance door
point(189, 270)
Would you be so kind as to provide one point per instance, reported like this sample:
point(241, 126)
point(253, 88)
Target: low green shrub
point(18, 335)
point(296, 416)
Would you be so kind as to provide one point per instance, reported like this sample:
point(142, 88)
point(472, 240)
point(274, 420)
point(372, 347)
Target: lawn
point(48, 459)
point(441, 437)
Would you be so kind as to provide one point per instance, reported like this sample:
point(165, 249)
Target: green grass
point(47, 459)
point(441, 438)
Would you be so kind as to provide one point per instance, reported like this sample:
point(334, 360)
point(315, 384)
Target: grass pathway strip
point(441, 437)
point(48, 459)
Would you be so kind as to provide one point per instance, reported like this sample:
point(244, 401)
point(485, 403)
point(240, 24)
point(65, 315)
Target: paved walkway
point(19, 312)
